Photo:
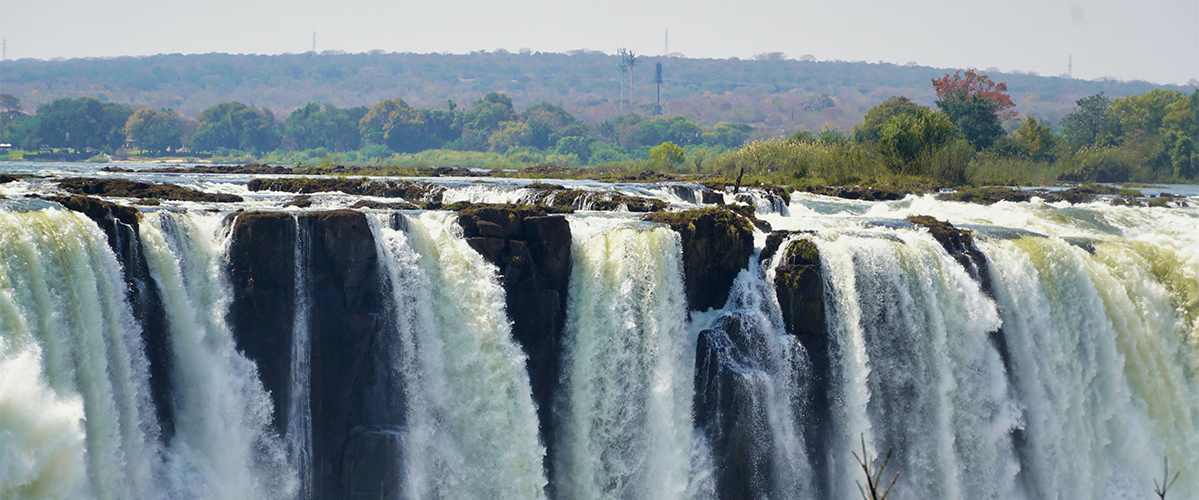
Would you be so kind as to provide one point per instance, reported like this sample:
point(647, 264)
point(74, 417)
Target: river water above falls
point(257, 349)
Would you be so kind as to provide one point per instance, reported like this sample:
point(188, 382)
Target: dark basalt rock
point(960, 245)
point(986, 195)
point(136, 189)
point(373, 468)
point(799, 286)
point(532, 251)
point(262, 275)
point(412, 191)
point(717, 243)
point(347, 301)
point(730, 408)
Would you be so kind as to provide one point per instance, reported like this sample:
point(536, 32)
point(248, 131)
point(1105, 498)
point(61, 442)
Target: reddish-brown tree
point(963, 86)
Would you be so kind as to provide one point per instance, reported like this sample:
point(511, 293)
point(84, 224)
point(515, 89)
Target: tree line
point(391, 126)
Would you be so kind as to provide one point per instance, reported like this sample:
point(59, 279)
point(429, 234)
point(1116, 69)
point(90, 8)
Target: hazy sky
point(1154, 40)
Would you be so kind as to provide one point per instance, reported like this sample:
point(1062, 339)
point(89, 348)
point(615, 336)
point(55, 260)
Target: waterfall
point(69, 347)
point(299, 409)
point(1099, 357)
point(625, 420)
point(768, 364)
point(224, 447)
point(914, 369)
point(471, 425)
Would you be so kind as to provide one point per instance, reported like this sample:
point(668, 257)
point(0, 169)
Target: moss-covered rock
point(408, 190)
point(717, 243)
point(986, 195)
point(123, 188)
point(531, 248)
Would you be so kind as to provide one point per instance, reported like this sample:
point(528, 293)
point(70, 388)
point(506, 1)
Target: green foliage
point(234, 125)
point(1035, 139)
point(1083, 126)
point(330, 127)
point(578, 146)
point(78, 124)
point(975, 119)
point(728, 134)
point(156, 131)
point(394, 123)
point(908, 140)
point(667, 154)
point(870, 130)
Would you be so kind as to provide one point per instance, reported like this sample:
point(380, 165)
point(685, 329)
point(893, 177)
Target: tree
point(575, 145)
point(728, 134)
point(629, 59)
point(155, 131)
point(1082, 126)
point(394, 123)
point(872, 125)
point(975, 104)
point(329, 127)
point(907, 137)
point(234, 125)
point(484, 117)
point(1035, 138)
point(668, 154)
point(79, 124)
point(14, 124)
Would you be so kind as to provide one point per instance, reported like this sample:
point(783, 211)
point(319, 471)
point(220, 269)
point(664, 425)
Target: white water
point(628, 366)
point(776, 365)
point(69, 347)
point(299, 410)
point(223, 446)
point(914, 368)
point(471, 423)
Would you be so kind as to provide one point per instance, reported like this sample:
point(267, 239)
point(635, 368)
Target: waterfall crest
point(626, 425)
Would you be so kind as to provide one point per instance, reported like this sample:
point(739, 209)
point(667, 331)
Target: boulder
point(717, 243)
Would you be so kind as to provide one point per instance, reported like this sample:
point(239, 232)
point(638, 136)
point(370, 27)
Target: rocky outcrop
point(135, 189)
point(346, 303)
point(799, 286)
point(717, 243)
point(373, 468)
point(960, 245)
point(422, 192)
point(729, 408)
point(262, 275)
point(532, 251)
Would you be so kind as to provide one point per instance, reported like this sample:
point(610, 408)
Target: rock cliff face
point(729, 407)
point(346, 303)
point(532, 251)
point(717, 243)
point(262, 274)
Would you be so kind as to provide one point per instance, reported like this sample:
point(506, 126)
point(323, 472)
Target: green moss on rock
point(717, 243)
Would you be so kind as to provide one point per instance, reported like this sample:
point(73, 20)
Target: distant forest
point(776, 95)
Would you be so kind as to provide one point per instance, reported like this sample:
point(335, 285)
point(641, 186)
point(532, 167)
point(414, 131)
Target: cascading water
point(625, 418)
point(299, 410)
point(763, 360)
point(69, 347)
point(1098, 362)
point(223, 447)
point(914, 369)
point(467, 403)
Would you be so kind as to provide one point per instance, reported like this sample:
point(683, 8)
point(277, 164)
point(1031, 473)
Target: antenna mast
point(314, 42)
point(1070, 66)
point(666, 46)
